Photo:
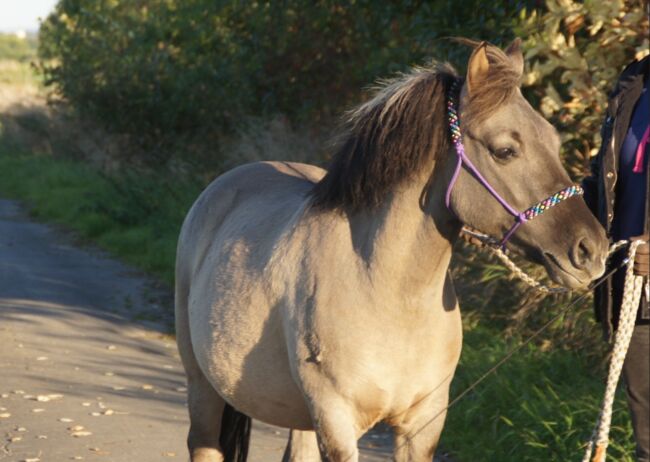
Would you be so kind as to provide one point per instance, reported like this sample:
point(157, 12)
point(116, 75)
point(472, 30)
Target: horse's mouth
point(560, 275)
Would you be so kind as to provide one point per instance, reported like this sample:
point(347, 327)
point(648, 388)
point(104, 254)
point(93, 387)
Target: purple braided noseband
point(520, 217)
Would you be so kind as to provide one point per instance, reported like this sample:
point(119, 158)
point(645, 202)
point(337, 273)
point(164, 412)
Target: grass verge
point(540, 406)
point(136, 217)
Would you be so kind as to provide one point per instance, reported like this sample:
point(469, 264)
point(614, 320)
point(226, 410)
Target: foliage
point(575, 52)
point(160, 68)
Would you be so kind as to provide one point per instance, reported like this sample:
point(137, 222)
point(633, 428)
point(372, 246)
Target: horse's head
point(516, 151)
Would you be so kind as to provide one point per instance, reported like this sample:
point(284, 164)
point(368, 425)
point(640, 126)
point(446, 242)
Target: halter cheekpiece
point(520, 217)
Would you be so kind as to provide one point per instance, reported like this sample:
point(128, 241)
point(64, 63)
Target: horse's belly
point(243, 354)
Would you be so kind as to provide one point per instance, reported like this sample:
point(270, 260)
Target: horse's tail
point(235, 435)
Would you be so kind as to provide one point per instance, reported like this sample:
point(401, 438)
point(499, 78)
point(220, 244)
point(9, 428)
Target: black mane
point(387, 140)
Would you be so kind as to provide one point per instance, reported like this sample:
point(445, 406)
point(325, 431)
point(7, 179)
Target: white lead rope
point(493, 246)
point(631, 298)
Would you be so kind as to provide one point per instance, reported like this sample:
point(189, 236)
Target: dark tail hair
point(235, 435)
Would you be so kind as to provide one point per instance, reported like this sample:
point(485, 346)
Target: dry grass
point(273, 139)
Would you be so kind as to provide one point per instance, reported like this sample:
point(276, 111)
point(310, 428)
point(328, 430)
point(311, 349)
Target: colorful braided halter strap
point(520, 217)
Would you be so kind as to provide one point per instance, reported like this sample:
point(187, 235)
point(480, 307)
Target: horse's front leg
point(302, 447)
point(417, 436)
point(335, 422)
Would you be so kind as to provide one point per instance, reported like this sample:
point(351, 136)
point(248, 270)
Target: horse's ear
point(478, 67)
point(516, 56)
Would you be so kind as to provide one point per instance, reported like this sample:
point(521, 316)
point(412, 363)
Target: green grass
point(14, 48)
point(540, 406)
point(136, 217)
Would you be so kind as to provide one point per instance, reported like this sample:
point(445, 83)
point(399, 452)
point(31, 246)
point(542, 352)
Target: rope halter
point(520, 217)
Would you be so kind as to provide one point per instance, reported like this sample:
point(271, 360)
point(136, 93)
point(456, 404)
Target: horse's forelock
point(388, 140)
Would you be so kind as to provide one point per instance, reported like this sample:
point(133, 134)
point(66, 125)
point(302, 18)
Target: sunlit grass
point(18, 73)
point(540, 406)
point(116, 213)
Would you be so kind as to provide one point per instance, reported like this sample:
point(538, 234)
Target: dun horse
point(321, 300)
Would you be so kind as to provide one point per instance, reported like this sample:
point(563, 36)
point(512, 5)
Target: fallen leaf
point(109, 412)
point(76, 428)
point(13, 439)
point(80, 434)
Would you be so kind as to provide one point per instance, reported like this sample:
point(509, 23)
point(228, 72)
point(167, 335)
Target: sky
point(17, 15)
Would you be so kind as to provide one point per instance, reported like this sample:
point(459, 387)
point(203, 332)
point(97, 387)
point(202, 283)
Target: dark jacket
point(600, 186)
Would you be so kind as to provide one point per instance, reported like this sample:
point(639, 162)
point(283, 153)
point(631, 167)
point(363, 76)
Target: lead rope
point(631, 298)
point(501, 254)
point(632, 289)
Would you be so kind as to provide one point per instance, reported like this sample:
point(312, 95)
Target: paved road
point(85, 374)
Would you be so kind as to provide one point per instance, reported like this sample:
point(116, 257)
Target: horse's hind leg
point(206, 407)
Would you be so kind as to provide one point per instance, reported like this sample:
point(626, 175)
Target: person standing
point(617, 193)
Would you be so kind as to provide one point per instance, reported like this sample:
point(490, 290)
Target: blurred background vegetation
point(150, 99)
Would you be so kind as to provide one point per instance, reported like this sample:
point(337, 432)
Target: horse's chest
point(383, 363)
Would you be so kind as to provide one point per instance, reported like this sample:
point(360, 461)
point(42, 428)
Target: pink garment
point(640, 152)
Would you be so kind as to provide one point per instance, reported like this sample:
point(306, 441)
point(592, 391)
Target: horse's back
point(224, 268)
point(263, 193)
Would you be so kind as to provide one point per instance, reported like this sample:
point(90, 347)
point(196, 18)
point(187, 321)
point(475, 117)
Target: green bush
point(159, 69)
point(575, 51)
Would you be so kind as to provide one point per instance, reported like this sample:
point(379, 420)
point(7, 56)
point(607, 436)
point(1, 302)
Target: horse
point(321, 300)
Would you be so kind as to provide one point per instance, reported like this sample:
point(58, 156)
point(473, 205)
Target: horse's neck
point(404, 248)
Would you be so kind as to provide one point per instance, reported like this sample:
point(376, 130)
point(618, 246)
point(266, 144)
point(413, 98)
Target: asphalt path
point(88, 370)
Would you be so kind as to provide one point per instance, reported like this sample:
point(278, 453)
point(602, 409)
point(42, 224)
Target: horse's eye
point(503, 153)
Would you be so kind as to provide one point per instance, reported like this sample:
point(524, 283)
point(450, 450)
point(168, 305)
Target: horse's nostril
point(583, 253)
